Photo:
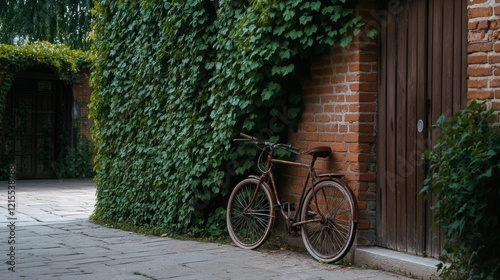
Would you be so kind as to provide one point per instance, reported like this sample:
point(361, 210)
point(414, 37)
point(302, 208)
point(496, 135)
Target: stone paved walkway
point(55, 240)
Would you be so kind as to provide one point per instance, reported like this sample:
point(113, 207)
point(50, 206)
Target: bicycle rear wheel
point(249, 221)
point(331, 209)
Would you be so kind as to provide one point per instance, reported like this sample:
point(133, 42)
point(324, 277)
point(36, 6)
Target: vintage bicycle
point(326, 216)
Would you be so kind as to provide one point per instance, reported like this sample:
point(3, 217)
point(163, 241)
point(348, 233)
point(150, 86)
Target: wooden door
point(422, 75)
point(29, 128)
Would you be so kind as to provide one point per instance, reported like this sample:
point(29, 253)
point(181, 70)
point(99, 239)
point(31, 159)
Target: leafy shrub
point(465, 177)
point(175, 81)
point(77, 162)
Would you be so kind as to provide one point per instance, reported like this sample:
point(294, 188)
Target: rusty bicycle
point(326, 216)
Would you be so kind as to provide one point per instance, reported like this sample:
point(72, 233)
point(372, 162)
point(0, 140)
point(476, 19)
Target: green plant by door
point(464, 175)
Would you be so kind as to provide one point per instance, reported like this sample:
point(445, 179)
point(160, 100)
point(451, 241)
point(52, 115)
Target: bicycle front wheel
point(330, 207)
point(250, 214)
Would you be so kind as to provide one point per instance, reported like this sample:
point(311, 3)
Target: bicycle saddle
point(321, 152)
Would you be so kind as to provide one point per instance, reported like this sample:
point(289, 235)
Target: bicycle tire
point(330, 239)
point(251, 229)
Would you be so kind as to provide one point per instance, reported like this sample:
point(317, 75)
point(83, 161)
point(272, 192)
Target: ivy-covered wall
point(65, 62)
point(67, 65)
point(175, 81)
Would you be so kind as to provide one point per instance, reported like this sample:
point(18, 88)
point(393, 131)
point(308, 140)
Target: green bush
point(77, 162)
point(175, 81)
point(465, 177)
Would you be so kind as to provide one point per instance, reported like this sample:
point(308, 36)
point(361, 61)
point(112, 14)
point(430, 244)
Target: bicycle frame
point(326, 215)
point(268, 175)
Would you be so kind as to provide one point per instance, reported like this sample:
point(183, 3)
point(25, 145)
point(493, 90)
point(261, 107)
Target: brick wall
point(81, 98)
point(484, 52)
point(340, 112)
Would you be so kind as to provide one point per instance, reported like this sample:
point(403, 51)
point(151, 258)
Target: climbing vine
point(64, 61)
point(175, 81)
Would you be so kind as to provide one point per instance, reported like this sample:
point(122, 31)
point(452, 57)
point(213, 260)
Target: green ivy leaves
point(65, 62)
point(464, 175)
point(175, 81)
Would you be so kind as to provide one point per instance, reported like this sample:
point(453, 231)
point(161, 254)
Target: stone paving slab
point(55, 240)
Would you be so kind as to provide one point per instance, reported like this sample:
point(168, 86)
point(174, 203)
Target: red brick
point(363, 57)
point(322, 118)
point(480, 12)
point(329, 137)
point(365, 87)
point(339, 98)
point(476, 36)
point(495, 105)
point(484, 94)
point(494, 58)
point(327, 99)
point(359, 117)
point(341, 69)
point(479, 71)
point(495, 83)
point(339, 167)
point(362, 205)
point(359, 148)
point(325, 89)
point(367, 196)
point(338, 79)
point(367, 107)
point(494, 24)
point(472, 25)
point(484, 24)
point(479, 47)
point(307, 117)
point(340, 108)
point(364, 224)
point(479, 58)
point(309, 127)
point(308, 136)
point(482, 83)
point(340, 88)
point(358, 138)
point(361, 97)
point(362, 77)
point(360, 67)
point(368, 128)
point(339, 147)
point(359, 167)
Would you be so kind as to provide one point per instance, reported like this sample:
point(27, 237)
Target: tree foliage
point(175, 81)
point(55, 21)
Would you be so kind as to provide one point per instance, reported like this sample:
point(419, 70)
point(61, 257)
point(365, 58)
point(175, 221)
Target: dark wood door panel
point(422, 75)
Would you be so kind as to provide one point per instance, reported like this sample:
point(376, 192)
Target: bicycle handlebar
point(270, 144)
